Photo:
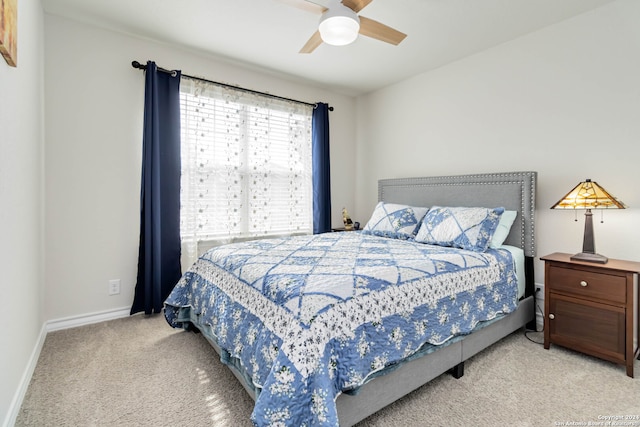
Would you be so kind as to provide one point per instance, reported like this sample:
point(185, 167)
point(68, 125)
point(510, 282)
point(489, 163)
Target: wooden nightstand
point(593, 308)
point(339, 229)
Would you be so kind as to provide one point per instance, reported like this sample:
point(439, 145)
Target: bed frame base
point(386, 389)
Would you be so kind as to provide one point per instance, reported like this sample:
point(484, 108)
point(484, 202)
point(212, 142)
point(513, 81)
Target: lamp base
point(590, 257)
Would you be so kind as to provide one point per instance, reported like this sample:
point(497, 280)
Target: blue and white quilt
point(309, 317)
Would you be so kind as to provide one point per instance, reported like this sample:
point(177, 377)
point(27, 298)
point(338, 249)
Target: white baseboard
point(16, 403)
point(539, 322)
point(54, 325)
point(87, 319)
point(540, 307)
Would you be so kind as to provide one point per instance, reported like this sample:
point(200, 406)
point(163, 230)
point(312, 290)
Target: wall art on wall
point(9, 31)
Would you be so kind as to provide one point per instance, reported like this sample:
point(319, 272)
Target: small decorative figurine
point(348, 224)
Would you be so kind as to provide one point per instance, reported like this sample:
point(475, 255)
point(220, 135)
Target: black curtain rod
point(136, 64)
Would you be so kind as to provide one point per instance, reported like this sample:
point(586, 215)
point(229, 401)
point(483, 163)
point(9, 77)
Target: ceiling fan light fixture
point(339, 26)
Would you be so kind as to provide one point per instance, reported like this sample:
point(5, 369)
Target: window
point(246, 166)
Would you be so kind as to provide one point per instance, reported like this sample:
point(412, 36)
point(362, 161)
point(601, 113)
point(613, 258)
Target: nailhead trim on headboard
point(513, 190)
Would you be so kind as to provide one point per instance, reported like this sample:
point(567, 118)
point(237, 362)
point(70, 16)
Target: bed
point(328, 329)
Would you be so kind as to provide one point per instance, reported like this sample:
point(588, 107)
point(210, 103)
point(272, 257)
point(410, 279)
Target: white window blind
point(246, 166)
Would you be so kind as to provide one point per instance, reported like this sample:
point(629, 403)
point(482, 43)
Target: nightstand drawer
point(588, 284)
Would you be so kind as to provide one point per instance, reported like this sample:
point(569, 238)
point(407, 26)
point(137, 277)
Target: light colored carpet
point(138, 371)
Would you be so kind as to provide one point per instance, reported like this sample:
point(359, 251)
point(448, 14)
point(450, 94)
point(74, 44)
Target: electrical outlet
point(114, 287)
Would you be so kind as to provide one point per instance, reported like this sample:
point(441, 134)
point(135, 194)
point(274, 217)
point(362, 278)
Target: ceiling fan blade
point(307, 6)
point(378, 31)
point(312, 43)
point(356, 5)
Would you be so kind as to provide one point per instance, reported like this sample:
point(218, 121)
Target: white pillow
point(502, 231)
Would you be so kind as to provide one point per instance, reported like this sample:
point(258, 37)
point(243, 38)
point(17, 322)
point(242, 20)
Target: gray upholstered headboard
point(511, 190)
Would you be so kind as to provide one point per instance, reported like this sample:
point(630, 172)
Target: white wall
point(21, 207)
point(552, 101)
point(94, 101)
point(563, 101)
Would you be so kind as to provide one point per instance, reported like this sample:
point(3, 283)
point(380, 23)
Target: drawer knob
point(551, 316)
point(583, 284)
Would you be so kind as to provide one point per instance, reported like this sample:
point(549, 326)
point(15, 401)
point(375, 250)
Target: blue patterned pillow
point(466, 228)
point(394, 221)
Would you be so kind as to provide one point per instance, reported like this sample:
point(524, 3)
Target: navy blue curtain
point(320, 169)
point(159, 253)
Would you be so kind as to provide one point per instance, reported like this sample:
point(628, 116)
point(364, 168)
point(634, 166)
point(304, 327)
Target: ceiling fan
point(340, 24)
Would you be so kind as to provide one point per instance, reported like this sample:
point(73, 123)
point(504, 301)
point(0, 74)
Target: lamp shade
point(588, 195)
point(339, 25)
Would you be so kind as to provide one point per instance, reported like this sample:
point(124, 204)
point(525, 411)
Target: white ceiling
point(268, 33)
